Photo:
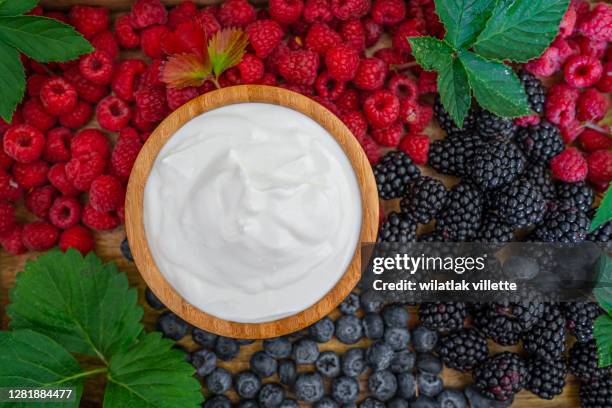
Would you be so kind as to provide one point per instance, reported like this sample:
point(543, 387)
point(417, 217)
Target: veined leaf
point(603, 290)
point(185, 70)
point(226, 48)
point(431, 53)
point(463, 19)
point(604, 212)
point(16, 7)
point(12, 81)
point(603, 336)
point(454, 90)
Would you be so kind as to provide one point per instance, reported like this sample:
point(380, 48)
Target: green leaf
point(151, 374)
point(603, 290)
point(431, 53)
point(30, 359)
point(12, 81)
point(495, 86)
point(604, 212)
point(16, 7)
point(603, 336)
point(81, 303)
point(455, 91)
point(463, 19)
point(520, 30)
point(43, 39)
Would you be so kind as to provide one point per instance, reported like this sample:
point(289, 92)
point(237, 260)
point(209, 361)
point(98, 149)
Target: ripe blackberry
point(443, 316)
point(448, 124)
point(564, 224)
point(463, 350)
point(578, 195)
point(583, 362)
point(540, 142)
point(546, 378)
point(491, 126)
point(546, 339)
point(494, 229)
point(603, 233)
point(580, 317)
point(534, 90)
point(398, 227)
point(596, 393)
point(451, 155)
point(460, 219)
point(519, 204)
point(393, 174)
point(500, 377)
point(496, 164)
point(424, 199)
point(540, 177)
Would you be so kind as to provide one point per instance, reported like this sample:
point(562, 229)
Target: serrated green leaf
point(520, 30)
point(454, 91)
point(495, 86)
point(602, 332)
point(603, 290)
point(16, 7)
point(463, 19)
point(430, 53)
point(151, 374)
point(604, 211)
point(12, 81)
point(43, 39)
point(81, 303)
point(30, 359)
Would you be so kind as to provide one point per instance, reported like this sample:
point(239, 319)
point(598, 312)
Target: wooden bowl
point(135, 197)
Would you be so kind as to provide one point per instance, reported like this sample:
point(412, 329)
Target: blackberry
point(564, 224)
point(424, 199)
point(577, 195)
point(520, 204)
point(460, 219)
point(433, 236)
point(490, 126)
point(398, 227)
point(546, 378)
point(534, 90)
point(443, 316)
point(504, 322)
point(540, 142)
point(448, 124)
point(580, 317)
point(393, 174)
point(500, 377)
point(463, 350)
point(583, 362)
point(603, 233)
point(493, 229)
point(451, 155)
point(496, 164)
point(546, 339)
point(596, 393)
point(540, 177)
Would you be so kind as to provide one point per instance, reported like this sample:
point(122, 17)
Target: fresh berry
point(353, 34)
point(7, 218)
point(309, 387)
point(77, 237)
point(349, 9)
point(578, 195)
point(411, 27)
point(90, 141)
point(106, 42)
point(448, 124)
point(89, 21)
point(124, 80)
point(58, 96)
point(393, 174)
point(582, 71)
point(123, 157)
point(591, 106)
point(236, 13)
point(540, 142)
point(356, 122)
point(398, 227)
point(463, 350)
point(519, 204)
point(500, 377)
point(65, 212)
point(381, 108)
point(596, 24)
point(31, 175)
point(98, 220)
point(106, 193)
point(82, 170)
point(546, 378)
point(348, 329)
point(424, 199)
point(372, 31)
point(97, 67)
point(546, 339)
point(583, 362)
point(11, 241)
point(264, 36)
point(451, 155)
point(146, 13)
point(496, 164)
point(342, 62)
point(461, 217)
point(488, 125)
point(600, 166)
point(417, 147)
point(596, 393)
point(580, 317)
point(605, 83)
point(178, 97)
point(24, 143)
point(320, 38)
point(87, 90)
point(113, 113)
point(563, 224)
point(561, 104)
point(151, 104)
point(34, 114)
point(534, 90)
point(263, 364)
point(58, 179)
point(371, 149)
point(569, 166)
point(286, 11)
point(78, 117)
point(443, 316)
point(371, 74)
point(592, 140)
point(388, 12)
point(39, 236)
point(388, 136)
point(152, 39)
point(317, 10)
point(126, 35)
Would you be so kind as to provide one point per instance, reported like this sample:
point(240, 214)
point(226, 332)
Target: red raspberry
point(382, 109)
point(342, 62)
point(321, 38)
point(77, 237)
point(371, 149)
point(353, 34)
point(128, 133)
point(349, 9)
point(264, 36)
point(79, 117)
point(371, 74)
point(113, 113)
point(188, 37)
point(58, 96)
point(598, 23)
point(152, 76)
point(605, 83)
point(329, 105)
point(5, 160)
point(317, 10)
point(24, 143)
point(106, 42)
point(90, 141)
point(561, 104)
point(525, 121)
point(12, 243)
point(209, 22)
point(600, 167)
point(9, 188)
point(123, 82)
point(151, 40)
point(97, 220)
point(31, 175)
point(268, 79)
point(582, 71)
point(87, 90)
point(65, 212)
point(82, 170)
point(569, 166)
point(592, 48)
point(35, 82)
point(591, 106)
point(39, 200)
point(97, 67)
point(39, 236)
point(546, 64)
point(327, 87)
point(121, 214)
point(409, 28)
point(141, 124)
point(299, 67)
point(151, 104)
point(348, 101)
point(178, 97)
point(389, 136)
point(7, 218)
point(415, 115)
point(356, 122)
point(391, 56)
point(592, 140)
point(89, 21)
point(236, 13)
point(388, 12)
point(127, 37)
point(106, 193)
point(417, 147)
point(146, 13)
point(286, 11)
point(57, 15)
point(123, 157)
point(372, 31)
point(403, 87)
point(184, 11)
point(566, 28)
point(57, 145)
point(251, 69)
point(35, 114)
point(570, 131)
point(58, 179)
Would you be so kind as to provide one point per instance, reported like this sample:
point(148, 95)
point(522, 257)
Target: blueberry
point(172, 326)
point(247, 384)
point(477, 400)
point(348, 329)
point(218, 401)
point(350, 305)
point(271, 396)
point(395, 316)
point(379, 355)
point(263, 365)
point(423, 339)
point(425, 402)
point(326, 402)
point(397, 337)
point(403, 361)
point(429, 385)
point(328, 364)
point(287, 372)
point(152, 300)
point(278, 347)
point(349, 405)
point(373, 326)
point(371, 301)
point(226, 348)
point(406, 386)
point(126, 252)
point(398, 403)
point(382, 385)
point(371, 403)
point(323, 330)
point(218, 381)
point(289, 403)
point(305, 351)
point(309, 387)
point(428, 363)
point(204, 361)
point(353, 362)
point(204, 338)
point(345, 389)
point(452, 399)
point(247, 404)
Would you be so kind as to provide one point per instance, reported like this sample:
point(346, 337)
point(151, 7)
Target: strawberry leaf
point(431, 53)
point(183, 70)
point(604, 212)
point(226, 48)
point(455, 91)
point(602, 332)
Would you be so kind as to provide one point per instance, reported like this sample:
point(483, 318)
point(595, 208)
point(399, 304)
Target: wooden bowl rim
point(135, 198)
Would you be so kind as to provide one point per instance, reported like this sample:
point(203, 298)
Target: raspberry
point(388, 136)
point(349, 9)
point(264, 36)
point(178, 97)
point(58, 96)
point(342, 62)
point(600, 166)
point(123, 157)
point(184, 11)
point(89, 21)
point(106, 193)
point(209, 22)
point(356, 122)
point(546, 64)
point(87, 90)
point(141, 124)
point(39, 236)
point(569, 166)
point(32, 174)
point(35, 114)
point(56, 148)
point(57, 15)
point(329, 105)
point(561, 104)
point(417, 147)
point(39, 200)
point(151, 104)
point(11, 241)
point(236, 13)
point(403, 87)
point(82, 170)
point(146, 13)
point(78, 117)
point(353, 34)
point(100, 221)
point(567, 49)
point(605, 83)
point(9, 188)
point(566, 28)
point(128, 133)
point(65, 212)
point(582, 71)
point(381, 108)
point(591, 106)
point(251, 69)
point(106, 42)
point(371, 149)
point(34, 83)
point(592, 140)
point(372, 31)
point(388, 12)
point(391, 56)
point(24, 143)
point(286, 11)
point(188, 37)
point(597, 24)
point(570, 131)
point(592, 48)
point(90, 141)
point(268, 79)
point(77, 237)
point(113, 113)
point(58, 179)
point(321, 38)
point(151, 40)
point(327, 87)
point(348, 101)
point(97, 67)
point(124, 80)
point(126, 36)
point(7, 218)
point(317, 10)
point(152, 76)
point(371, 74)
point(409, 28)
point(415, 115)
point(299, 67)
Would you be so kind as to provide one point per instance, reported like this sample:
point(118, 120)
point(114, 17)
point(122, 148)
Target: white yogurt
point(252, 212)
